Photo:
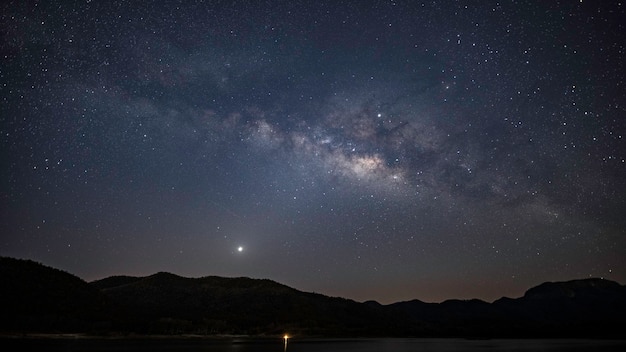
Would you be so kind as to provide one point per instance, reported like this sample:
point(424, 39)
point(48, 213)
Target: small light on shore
point(286, 337)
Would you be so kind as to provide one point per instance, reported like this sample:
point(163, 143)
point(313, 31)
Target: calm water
point(310, 345)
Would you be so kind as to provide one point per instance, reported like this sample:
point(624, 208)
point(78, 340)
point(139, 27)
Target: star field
point(383, 150)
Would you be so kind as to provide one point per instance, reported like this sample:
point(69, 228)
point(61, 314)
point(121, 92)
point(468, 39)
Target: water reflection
point(305, 345)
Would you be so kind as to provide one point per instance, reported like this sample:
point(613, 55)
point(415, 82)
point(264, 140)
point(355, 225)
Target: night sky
point(373, 150)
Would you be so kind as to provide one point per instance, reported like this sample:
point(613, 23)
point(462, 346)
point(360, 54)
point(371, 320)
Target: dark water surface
point(308, 345)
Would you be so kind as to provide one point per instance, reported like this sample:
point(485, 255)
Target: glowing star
point(240, 249)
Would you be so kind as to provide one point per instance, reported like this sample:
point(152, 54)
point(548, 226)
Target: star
point(306, 132)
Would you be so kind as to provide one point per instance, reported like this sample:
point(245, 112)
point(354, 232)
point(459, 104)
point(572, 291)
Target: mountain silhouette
point(34, 297)
point(37, 298)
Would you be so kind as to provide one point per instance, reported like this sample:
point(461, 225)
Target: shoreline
point(236, 338)
point(113, 336)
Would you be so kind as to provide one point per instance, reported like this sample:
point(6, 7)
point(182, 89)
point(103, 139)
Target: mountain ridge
point(37, 298)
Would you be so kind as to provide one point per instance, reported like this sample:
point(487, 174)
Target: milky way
point(382, 150)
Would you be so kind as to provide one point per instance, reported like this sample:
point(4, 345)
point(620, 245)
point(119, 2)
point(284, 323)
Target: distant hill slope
point(239, 305)
point(35, 297)
point(577, 308)
point(38, 298)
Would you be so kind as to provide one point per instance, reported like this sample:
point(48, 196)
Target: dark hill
point(590, 308)
point(36, 298)
point(114, 281)
point(575, 289)
point(166, 303)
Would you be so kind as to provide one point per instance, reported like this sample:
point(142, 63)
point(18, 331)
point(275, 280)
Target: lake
point(308, 345)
